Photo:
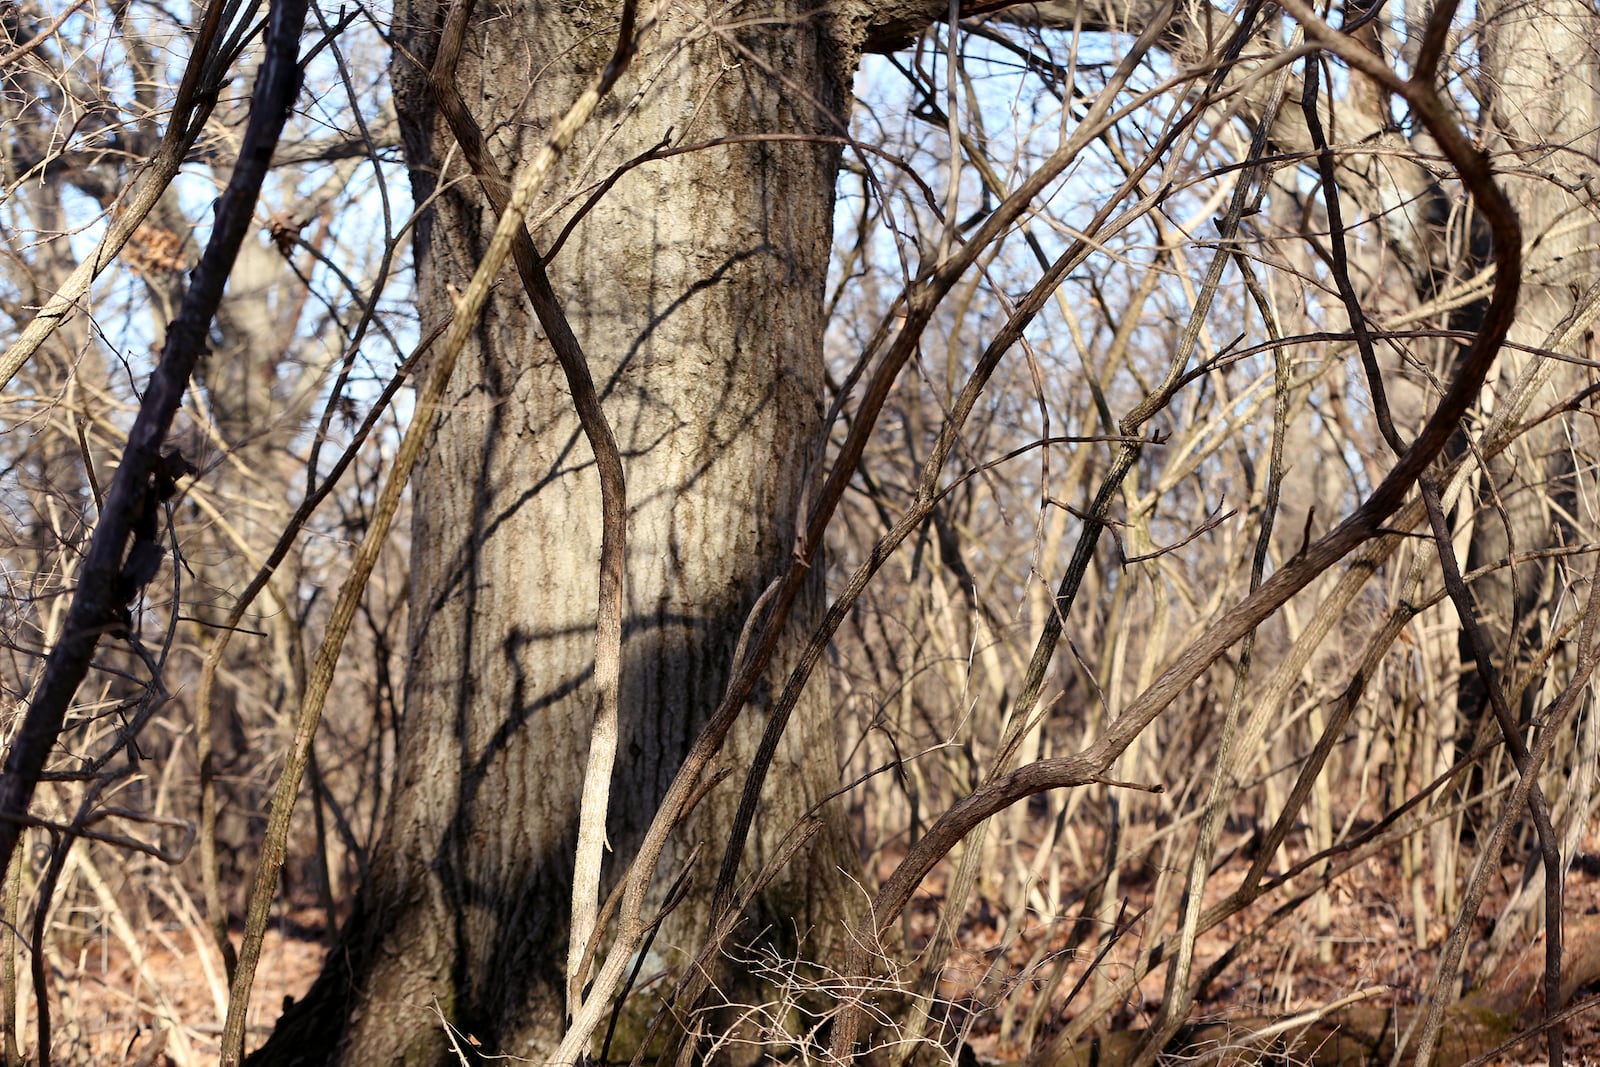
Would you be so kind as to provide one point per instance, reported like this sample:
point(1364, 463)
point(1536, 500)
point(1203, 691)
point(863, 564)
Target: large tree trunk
point(696, 289)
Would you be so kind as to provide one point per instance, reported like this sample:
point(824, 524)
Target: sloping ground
point(1476, 1027)
point(1367, 955)
point(107, 1011)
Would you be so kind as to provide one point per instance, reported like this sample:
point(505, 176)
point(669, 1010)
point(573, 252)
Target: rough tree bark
point(696, 289)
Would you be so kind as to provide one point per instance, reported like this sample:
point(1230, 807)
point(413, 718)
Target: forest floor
point(1368, 939)
point(108, 1010)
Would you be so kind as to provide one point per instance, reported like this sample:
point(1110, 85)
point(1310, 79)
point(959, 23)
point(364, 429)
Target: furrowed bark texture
point(695, 287)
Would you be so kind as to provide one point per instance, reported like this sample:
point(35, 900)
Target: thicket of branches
point(1213, 591)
